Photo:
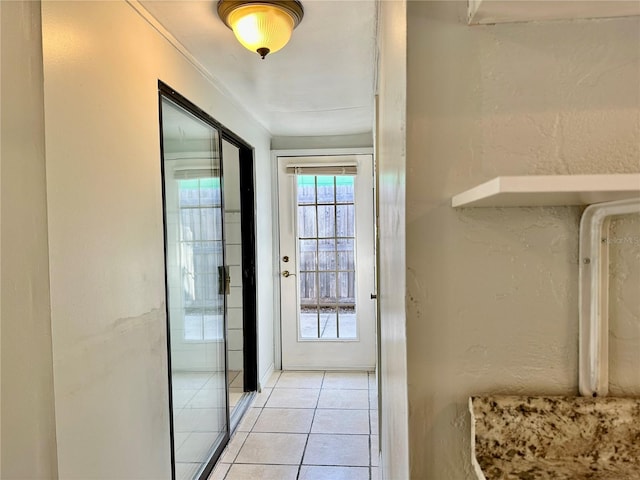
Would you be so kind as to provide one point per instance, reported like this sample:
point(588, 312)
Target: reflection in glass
point(196, 305)
point(233, 257)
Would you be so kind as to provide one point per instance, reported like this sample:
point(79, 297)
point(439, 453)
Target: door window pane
point(345, 220)
point(326, 221)
point(326, 189)
point(306, 189)
point(326, 254)
point(326, 231)
point(327, 286)
point(308, 255)
point(345, 189)
point(329, 322)
point(345, 254)
point(307, 221)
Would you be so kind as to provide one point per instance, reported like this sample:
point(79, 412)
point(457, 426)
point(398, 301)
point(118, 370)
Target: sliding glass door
point(197, 283)
point(210, 281)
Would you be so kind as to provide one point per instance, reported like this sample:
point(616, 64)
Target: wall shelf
point(550, 190)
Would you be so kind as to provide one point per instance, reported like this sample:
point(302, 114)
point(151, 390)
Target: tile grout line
point(304, 450)
point(315, 409)
point(248, 433)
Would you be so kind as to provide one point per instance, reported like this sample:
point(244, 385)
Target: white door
point(327, 262)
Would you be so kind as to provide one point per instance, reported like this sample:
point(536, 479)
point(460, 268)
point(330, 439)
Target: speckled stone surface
point(531, 438)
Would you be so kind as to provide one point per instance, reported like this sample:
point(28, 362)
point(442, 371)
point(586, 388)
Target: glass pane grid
point(326, 234)
point(200, 247)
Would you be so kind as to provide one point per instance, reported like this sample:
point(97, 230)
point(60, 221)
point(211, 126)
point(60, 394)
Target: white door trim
point(277, 337)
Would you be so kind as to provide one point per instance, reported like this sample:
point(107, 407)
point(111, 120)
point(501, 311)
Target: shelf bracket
point(593, 373)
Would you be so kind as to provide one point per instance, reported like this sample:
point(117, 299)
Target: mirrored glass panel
point(196, 285)
point(233, 251)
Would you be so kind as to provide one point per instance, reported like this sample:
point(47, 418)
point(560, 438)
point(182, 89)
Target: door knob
point(224, 280)
point(286, 274)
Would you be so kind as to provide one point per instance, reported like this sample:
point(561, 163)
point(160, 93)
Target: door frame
point(275, 154)
point(248, 236)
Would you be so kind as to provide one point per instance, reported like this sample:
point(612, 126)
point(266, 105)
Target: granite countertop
point(577, 438)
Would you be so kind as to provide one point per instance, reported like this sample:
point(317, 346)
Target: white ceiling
point(321, 83)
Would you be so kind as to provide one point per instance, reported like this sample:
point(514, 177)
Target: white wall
point(492, 294)
point(391, 159)
point(28, 433)
point(102, 63)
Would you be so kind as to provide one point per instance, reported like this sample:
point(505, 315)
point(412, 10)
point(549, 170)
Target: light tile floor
point(199, 416)
point(307, 426)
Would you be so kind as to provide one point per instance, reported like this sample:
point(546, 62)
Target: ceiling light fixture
point(262, 26)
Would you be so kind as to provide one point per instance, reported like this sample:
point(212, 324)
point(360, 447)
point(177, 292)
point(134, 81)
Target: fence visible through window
point(326, 253)
point(201, 247)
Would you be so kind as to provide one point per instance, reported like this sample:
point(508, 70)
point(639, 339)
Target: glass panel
point(190, 224)
point(193, 223)
point(210, 192)
point(233, 256)
point(347, 322)
point(309, 323)
point(307, 221)
point(346, 292)
point(327, 265)
point(345, 189)
point(307, 255)
point(326, 254)
point(210, 223)
point(306, 189)
point(308, 291)
point(345, 254)
point(213, 326)
point(326, 221)
point(193, 326)
point(345, 220)
point(327, 288)
point(328, 322)
point(189, 194)
point(326, 189)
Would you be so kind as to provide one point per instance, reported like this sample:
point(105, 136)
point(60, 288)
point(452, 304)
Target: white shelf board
point(550, 190)
point(483, 12)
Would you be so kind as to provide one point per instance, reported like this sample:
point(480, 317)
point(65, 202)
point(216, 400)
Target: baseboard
point(265, 378)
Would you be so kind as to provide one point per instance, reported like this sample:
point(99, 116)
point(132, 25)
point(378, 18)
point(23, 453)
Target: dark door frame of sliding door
point(249, 299)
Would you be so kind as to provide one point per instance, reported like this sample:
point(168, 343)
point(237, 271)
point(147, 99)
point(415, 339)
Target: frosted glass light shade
point(261, 26)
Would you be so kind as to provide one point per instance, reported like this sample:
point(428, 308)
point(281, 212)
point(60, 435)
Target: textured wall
point(391, 158)
point(28, 428)
point(624, 305)
point(492, 293)
point(102, 64)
